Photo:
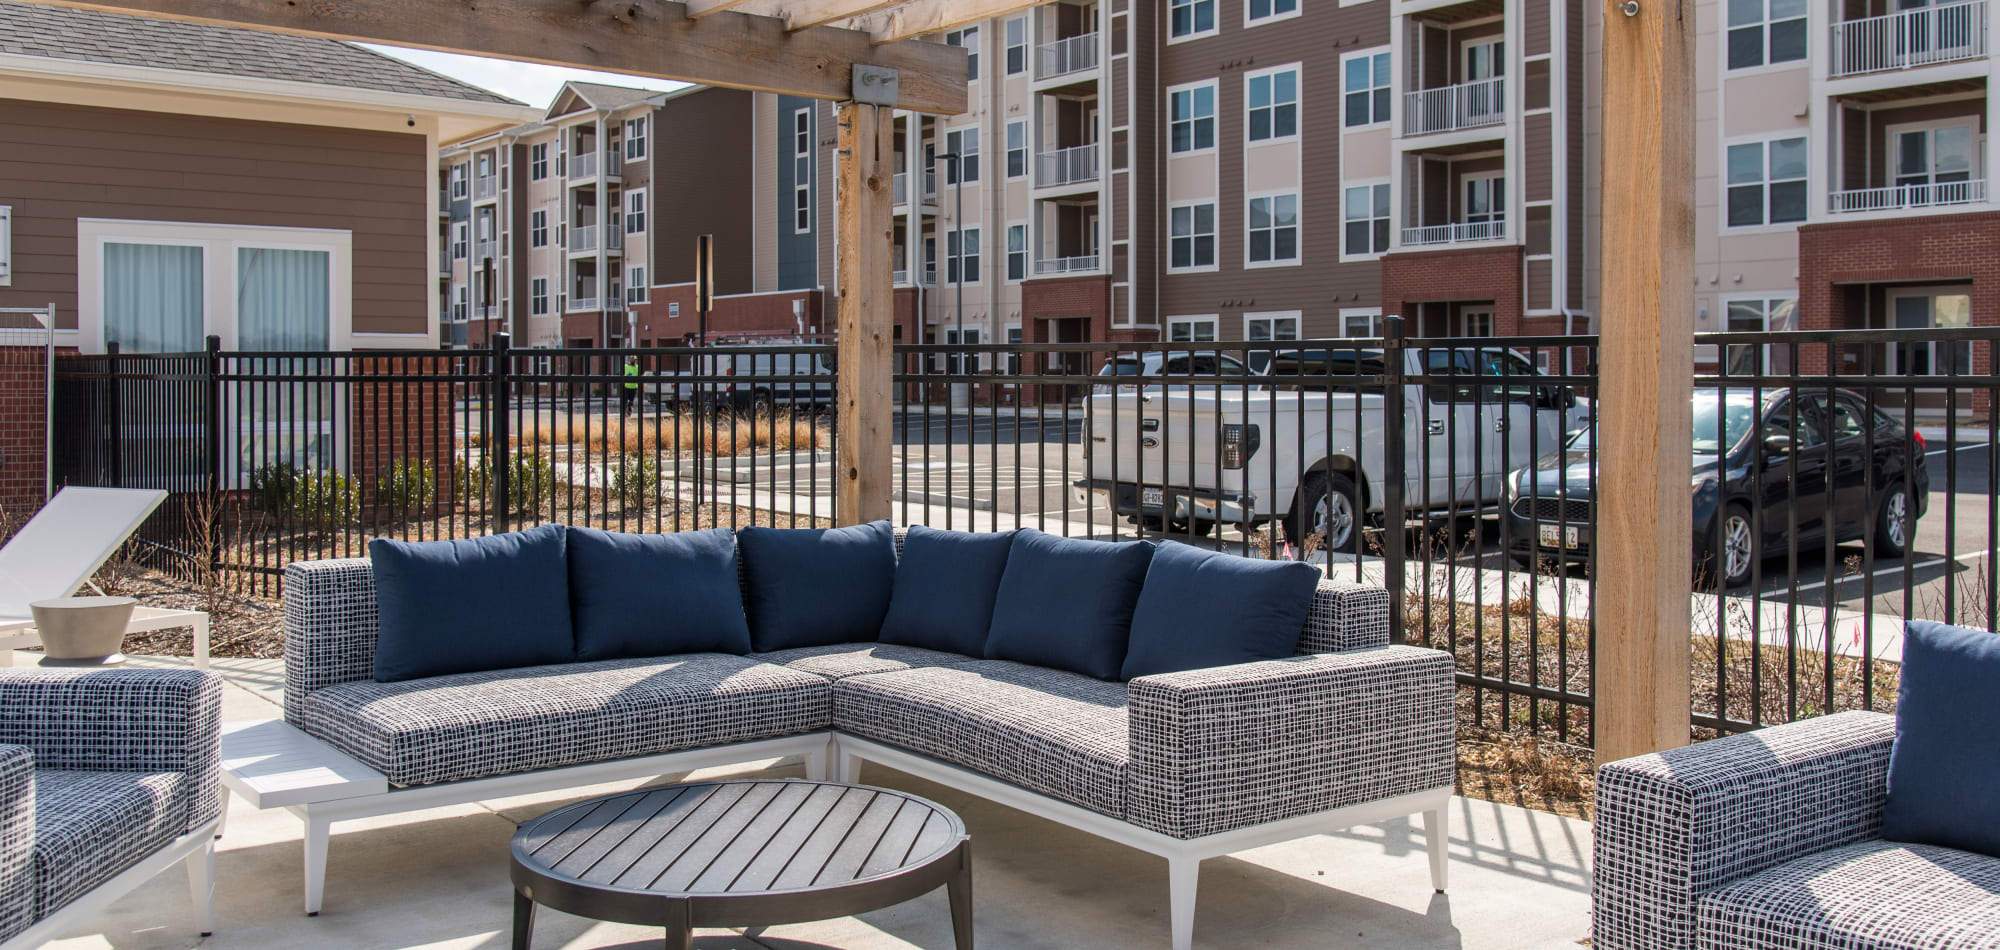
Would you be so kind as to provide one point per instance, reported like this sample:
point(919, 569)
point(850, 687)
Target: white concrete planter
point(82, 631)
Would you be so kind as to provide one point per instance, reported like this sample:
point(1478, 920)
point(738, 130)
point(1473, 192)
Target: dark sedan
point(1763, 468)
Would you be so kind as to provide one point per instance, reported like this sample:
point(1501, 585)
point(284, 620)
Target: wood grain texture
point(640, 37)
point(867, 313)
point(1644, 554)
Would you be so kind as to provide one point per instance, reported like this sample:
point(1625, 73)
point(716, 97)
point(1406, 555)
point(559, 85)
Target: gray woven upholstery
point(1875, 894)
point(1232, 746)
point(92, 825)
point(121, 720)
point(1049, 731)
point(1344, 617)
point(17, 839)
point(853, 659)
point(472, 725)
point(1675, 826)
point(330, 626)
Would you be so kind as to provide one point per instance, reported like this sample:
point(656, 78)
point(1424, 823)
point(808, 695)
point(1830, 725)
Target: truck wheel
point(1325, 503)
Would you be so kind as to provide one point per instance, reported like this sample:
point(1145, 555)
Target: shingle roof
point(62, 33)
point(610, 97)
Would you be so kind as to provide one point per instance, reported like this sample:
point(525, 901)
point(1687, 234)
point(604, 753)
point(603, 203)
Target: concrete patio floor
point(438, 879)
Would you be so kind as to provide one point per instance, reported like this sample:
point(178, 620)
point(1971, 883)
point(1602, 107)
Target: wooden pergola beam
point(654, 38)
point(906, 21)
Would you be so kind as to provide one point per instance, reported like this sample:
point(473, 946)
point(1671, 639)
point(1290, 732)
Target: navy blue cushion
point(808, 587)
point(1205, 608)
point(945, 585)
point(490, 603)
point(1067, 602)
point(1945, 765)
point(655, 594)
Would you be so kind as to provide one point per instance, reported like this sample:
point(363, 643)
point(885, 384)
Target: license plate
point(1152, 496)
point(1560, 536)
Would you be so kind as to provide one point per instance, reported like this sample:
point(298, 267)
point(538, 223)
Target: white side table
point(19, 632)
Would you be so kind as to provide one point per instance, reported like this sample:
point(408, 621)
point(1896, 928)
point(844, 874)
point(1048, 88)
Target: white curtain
point(282, 298)
point(153, 297)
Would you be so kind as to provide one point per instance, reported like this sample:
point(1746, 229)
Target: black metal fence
point(1844, 481)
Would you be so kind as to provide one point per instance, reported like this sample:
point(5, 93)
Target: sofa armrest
point(330, 627)
point(1241, 745)
point(1675, 825)
point(121, 720)
point(1345, 616)
point(17, 839)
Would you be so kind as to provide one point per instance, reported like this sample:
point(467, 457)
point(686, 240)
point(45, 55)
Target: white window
point(458, 306)
point(635, 138)
point(538, 297)
point(635, 285)
point(1017, 148)
point(954, 258)
point(1191, 329)
point(1271, 103)
point(965, 144)
point(1365, 89)
point(1917, 308)
point(1271, 326)
point(1191, 118)
point(1766, 182)
point(1756, 315)
point(958, 363)
point(1486, 201)
point(458, 241)
point(1358, 322)
point(459, 174)
point(1257, 11)
point(1190, 18)
point(1017, 45)
point(1475, 323)
point(1014, 358)
point(801, 171)
point(635, 211)
point(538, 161)
point(538, 229)
point(1017, 252)
point(1933, 164)
point(6, 245)
point(1365, 220)
point(1767, 31)
point(1192, 237)
point(1273, 232)
point(968, 39)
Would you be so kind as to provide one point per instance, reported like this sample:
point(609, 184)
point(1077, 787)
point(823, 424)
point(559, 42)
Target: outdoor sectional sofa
point(1186, 765)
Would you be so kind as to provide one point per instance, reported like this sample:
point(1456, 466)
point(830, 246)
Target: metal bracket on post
point(875, 85)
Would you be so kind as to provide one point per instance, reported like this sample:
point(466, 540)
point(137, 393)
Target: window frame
point(1348, 314)
point(1214, 19)
point(1296, 103)
point(1297, 226)
point(1011, 47)
point(1769, 303)
point(538, 161)
point(635, 138)
point(1194, 119)
point(635, 284)
point(538, 228)
point(966, 38)
point(1020, 227)
point(967, 164)
point(1250, 21)
point(1389, 218)
point(1496, 208)
point(1007, 134)
point(636, 196)
point(1211, 320)
point(955, 257)
point(461, 180)
point(1929, 129)
point(538, 296)
point(461, 240)
point(1373, 90)
point(1193, 236)
point(802, 200)
point(6, 245)
point(1764, 143)
point(1763, 24)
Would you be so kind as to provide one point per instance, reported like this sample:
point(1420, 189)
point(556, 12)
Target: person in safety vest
point(630, 394)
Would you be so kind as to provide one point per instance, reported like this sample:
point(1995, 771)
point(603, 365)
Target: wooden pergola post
point(1646, 373)
point(864, 268)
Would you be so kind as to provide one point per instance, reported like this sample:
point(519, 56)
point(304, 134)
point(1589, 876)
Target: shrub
point(473, 481)
point(634, 479)
point(406, 484)
point(532, 478)
point(322, 501)
point(272, 487)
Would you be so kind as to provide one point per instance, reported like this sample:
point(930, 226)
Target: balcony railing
point(1455, 233)
point(1067, 166)
point(901, 189)
point(485, 188)
point(585, 164)
point(1066, 265)
point(1944, 33)
point(1899, 197)
point(900, 275)
point(583, 237)
point(444, 201)
point(482, 250)
point(1063, 57)
point(1468, 105)
point(444, 260)
point(578, 302)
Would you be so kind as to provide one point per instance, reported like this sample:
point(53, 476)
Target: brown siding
point(1574, 129)
point(59, 163)
point(698, 144)
point(1538, 157)
point(1535, 26)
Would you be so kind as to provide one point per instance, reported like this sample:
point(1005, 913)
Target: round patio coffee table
point(740, 854)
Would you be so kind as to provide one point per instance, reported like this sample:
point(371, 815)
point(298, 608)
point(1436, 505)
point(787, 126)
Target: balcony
point(1052, 266)
point(482, 250)
point(577, 303)
point(485, 189)
point(583, 238)
point(1460, 233)
point(1468, 105)
point(1066, 57)
point(1904, 197)
point(444, 201)
point(1945, 33)
point(583, 166)
point(901, 189)
point(1067, 166)
point(444, 260)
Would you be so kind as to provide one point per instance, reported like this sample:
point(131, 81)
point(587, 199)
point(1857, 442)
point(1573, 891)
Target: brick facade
point(407, 418)
point(1466, 275)
point(1938, 248)
point(23, 428)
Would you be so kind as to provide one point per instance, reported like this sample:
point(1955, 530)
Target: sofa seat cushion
point(842, 660)
point(1871, 894)
point(1058, 733)
point(471, 725)
point(91, 825)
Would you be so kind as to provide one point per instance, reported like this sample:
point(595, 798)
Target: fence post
point(497, 435)
point(212, 491)
point(1394, 399)
point(114, 447)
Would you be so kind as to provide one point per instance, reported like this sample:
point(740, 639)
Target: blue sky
point(528, 82)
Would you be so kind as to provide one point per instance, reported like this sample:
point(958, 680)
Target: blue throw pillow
point(808, 587)
point(1205, 608)
point(490, 603)
point(1945, 766)
point(655, 594)
point(945, 585)
point(1067, 602)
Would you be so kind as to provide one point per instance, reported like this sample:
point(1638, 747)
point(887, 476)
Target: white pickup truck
point(1299, 446)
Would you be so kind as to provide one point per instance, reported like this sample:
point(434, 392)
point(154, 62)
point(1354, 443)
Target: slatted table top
point(731, 840)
